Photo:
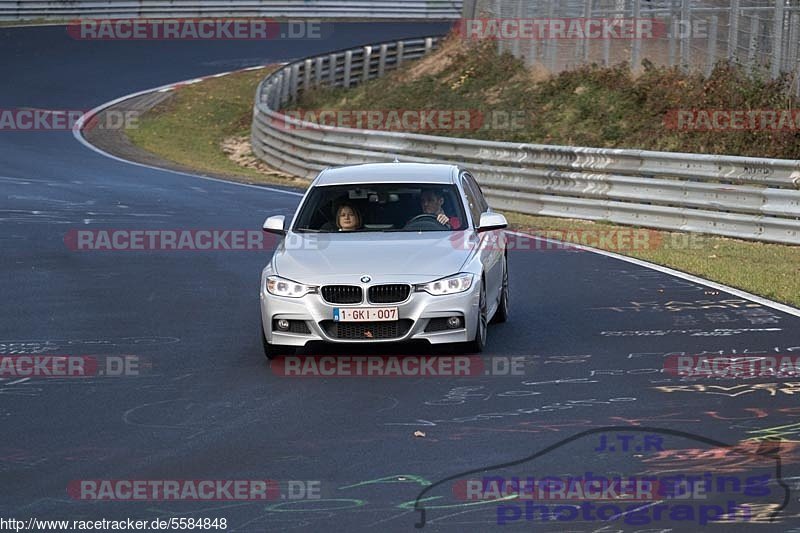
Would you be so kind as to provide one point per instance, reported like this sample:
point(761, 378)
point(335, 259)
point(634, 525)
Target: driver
point(432, 201)
point(347, 217)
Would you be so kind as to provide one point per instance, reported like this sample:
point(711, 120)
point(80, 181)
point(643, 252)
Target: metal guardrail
point(350, 9)
point(743, 197)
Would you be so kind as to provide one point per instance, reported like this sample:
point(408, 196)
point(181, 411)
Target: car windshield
point(382, 207)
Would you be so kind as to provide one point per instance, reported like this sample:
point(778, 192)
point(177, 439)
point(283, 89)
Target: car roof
point(388, 173)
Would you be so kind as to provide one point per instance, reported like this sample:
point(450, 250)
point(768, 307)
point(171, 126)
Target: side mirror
point(275, 224)
point(492, 221)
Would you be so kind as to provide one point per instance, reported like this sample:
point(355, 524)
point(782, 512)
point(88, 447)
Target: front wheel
point(501, 315)
point(478, 344)
point(271, 351)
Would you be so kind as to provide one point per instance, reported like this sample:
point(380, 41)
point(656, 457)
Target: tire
point(478, 344)
point(271, 351)
point(501, 315)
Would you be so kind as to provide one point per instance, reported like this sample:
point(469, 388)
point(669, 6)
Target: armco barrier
point(744, 197)
point(334, 9)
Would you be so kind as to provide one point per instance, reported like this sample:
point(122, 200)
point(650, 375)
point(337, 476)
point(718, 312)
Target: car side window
point(484, 205)
point(472, 199)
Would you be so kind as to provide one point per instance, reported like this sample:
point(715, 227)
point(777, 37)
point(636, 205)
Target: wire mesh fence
point(761, 35)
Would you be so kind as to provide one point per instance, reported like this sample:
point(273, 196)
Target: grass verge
point(206, 126)
point(219, 109)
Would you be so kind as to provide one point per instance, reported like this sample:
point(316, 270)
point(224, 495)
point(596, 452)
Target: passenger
point(432, 201)
point(347, 217)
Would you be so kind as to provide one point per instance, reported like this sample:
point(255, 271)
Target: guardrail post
point(318, 71)
point(382, 60)
point(777, 38)
point(274, 95)
point(348, 64)
point(733, 29)
point(428, 45)
point(295, 81)
point(400, 48)
point(332, 60)
point(285, 82)
point(306, 74)
point(366, 63)
point(711, 55)
point(263, 94)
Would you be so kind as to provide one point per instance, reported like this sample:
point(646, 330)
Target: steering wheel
point(427, 219)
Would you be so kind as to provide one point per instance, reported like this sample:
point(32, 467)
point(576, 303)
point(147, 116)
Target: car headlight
point(449, 285)
point(286, 287)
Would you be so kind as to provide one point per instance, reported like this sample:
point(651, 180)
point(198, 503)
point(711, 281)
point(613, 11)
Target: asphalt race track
point(593, 334)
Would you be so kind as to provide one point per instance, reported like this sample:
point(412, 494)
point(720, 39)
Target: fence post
point(428, 45)
point(533, 48)
point(753, 45)
point(515, 47)
point(348, 64)
point(636, 45)
point(794, 37)
point(497, 9)
point(587, 14)
point(777, 39)
point(366, 63)
point(711, 54)
point(552, 43)
point(400, 48)
point(382, 60)
point(686, 36)
point(332, 60)
point(733, 30)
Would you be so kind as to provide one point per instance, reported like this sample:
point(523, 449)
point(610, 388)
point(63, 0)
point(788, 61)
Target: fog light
point(283, 324)
point(454, 322)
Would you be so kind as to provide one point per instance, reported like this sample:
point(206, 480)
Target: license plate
point(364, 314)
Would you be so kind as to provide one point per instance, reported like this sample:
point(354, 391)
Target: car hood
point(385, 257)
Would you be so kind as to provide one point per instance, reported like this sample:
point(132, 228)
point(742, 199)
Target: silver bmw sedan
point(386, 252)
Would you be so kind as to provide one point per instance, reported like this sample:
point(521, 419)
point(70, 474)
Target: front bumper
point(419, 309)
